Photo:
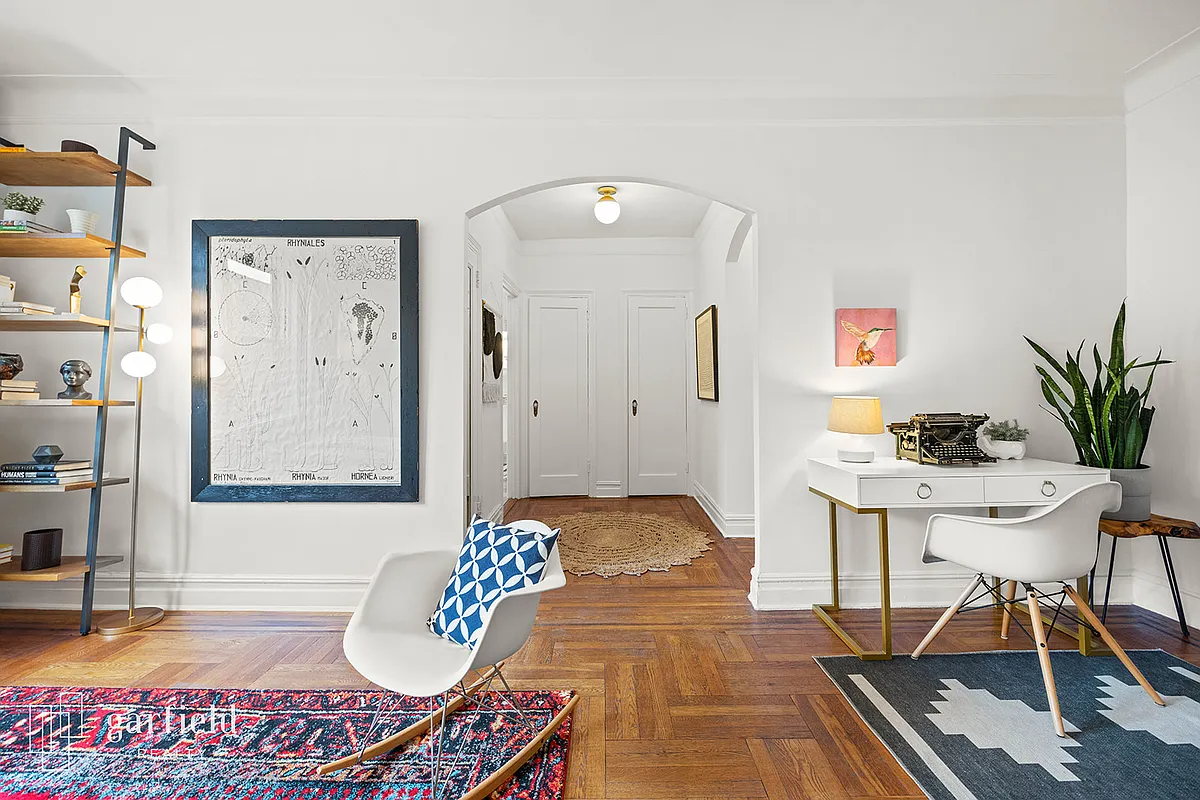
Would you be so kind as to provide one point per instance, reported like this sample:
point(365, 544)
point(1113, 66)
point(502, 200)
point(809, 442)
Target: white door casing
point(657, 367)
point(557, 403)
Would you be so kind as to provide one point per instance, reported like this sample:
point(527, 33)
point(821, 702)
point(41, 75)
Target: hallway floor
point(686, 690)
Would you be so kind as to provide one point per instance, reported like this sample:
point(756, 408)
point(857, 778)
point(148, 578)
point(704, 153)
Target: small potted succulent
point(1003, 439)
point(21, 207)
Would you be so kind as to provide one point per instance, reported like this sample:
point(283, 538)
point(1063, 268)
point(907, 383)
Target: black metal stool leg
point(1169, 564)
point(1112, 558)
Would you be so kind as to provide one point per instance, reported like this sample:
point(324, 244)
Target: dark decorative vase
point(41, 549)
point(11, 365)
point(47, 454)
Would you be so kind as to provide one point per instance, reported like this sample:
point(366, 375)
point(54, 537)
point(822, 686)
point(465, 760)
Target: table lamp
point(859, 417)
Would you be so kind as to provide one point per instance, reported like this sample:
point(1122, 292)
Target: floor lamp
point(141, 293)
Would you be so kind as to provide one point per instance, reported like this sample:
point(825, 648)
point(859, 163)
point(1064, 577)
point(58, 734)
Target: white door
point(657, 410)
point(557, 412)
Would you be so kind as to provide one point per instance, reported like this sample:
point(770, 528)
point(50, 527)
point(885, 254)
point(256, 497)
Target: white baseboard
point(1152, 592)
point(609, 489)
point(197, 592)
point(731, 526)
point(497, 515)
point(797, 592)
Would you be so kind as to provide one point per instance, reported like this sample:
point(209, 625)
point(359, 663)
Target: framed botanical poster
point(304, 360)
point(706, 355)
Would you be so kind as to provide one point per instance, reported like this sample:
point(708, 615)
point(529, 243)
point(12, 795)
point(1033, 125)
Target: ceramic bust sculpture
point(75, 373)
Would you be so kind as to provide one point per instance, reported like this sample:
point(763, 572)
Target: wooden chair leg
point(1039, 636)
point(950, 612)
point(1010, 594)
point(1091, 617)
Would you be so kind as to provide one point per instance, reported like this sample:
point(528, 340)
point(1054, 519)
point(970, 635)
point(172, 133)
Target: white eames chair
point(1054, 545)
point(388, 641)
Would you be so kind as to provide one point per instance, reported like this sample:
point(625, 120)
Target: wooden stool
point(1162, 527)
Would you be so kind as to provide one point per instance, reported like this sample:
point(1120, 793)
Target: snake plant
point(1109, 421)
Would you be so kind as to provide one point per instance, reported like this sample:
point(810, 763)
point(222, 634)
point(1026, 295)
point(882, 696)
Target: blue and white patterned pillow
point(494, 559)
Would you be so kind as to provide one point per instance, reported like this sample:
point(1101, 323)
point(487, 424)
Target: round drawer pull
point(924, 491)
point(1049, 489)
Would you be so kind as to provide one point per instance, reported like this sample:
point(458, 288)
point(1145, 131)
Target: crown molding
point(1174, 66)
point(646, 246)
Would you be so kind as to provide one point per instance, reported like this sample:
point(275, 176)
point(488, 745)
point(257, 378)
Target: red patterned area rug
point(153, 744)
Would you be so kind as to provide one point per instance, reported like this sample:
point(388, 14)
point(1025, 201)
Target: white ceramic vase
point(12, 215)
point(1002, 450)
point(83, 221)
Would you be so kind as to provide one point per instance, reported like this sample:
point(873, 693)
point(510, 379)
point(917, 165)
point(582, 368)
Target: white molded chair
point(389, 642)
point(1054, 545)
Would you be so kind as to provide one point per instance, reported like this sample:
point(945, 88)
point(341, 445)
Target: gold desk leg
point(885, 590)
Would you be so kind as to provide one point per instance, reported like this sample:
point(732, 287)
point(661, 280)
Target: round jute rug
point(609, 543)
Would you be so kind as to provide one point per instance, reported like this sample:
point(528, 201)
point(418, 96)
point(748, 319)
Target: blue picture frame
point(408, 489)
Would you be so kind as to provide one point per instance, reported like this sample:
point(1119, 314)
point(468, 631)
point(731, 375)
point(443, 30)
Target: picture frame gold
point(707, 372)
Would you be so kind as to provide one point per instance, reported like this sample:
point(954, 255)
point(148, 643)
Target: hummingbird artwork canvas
point(865, 337)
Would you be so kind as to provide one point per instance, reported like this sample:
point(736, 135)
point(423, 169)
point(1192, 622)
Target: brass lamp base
point(118, 622)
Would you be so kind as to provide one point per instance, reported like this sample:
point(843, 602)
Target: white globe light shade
point(216, 366)
point(138, 364)
point(160, 333)
point(141, 293)
point(607, 210)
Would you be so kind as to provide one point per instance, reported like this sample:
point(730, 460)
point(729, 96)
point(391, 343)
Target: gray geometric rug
point(977, 725)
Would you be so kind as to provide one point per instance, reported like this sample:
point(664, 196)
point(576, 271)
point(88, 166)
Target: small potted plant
point(1003, 439)
point(21, 207)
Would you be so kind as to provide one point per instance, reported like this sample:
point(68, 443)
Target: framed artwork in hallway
point(304, 361)
point(707, 386)
point(865, 337)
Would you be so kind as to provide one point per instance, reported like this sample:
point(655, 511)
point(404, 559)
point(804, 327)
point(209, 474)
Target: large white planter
point(12, 215)
point(1135, 495)
point(1001, 450)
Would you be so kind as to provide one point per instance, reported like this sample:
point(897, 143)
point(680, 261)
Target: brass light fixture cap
point(607, 191)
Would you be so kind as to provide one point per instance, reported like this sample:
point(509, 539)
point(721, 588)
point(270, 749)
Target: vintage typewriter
point(942, 439)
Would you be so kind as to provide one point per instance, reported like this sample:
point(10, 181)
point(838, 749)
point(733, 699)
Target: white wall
point(609, 269)
point(498, 262)
point(979, 230)
point(1163, 128)
point(724, 474)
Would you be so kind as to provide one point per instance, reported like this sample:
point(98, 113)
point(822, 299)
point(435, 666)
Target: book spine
point(39, 481)
point(42, 468)
point(6, 475)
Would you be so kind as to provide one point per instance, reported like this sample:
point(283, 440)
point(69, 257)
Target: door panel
point(558, 384)
point(657, 364)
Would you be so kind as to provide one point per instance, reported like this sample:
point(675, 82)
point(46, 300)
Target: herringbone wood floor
point(687, 691)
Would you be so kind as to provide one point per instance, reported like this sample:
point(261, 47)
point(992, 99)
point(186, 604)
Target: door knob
point(635, 408)
point(535, 408)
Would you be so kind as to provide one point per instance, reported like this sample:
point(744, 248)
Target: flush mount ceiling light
point(607, 208)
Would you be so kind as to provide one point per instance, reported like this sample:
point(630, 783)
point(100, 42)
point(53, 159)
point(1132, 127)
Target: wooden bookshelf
point(49, 488)
point(64, 245)
point(58, 322)
point(71, 567)
point(54, 402)
point(62, 169)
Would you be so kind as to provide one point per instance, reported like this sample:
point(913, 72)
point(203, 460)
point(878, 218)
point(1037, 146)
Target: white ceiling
point(566, 212)
point(842, 48)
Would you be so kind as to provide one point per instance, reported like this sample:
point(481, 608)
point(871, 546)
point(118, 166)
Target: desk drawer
point(1034, 489)
point(877, 492)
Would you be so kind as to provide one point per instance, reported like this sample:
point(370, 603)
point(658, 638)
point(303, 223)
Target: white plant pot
point(1002, 450)
point(83, 221)
point(12, 215)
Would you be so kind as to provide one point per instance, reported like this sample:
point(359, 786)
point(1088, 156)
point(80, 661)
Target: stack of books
point(59, 474)
point(21, 307)
point(27, 226)
point(19, 390)
point(5, 553)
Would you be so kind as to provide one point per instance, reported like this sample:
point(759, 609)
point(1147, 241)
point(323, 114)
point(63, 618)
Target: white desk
point(874, 487)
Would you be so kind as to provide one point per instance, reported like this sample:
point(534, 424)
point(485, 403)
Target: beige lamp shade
point(861, 415)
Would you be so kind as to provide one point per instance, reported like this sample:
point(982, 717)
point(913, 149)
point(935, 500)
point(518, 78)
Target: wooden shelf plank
point(48, 488)
point(58, 322)
point(71, 567)
point(62, 169)
point(67, 245)
point(54, 402)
